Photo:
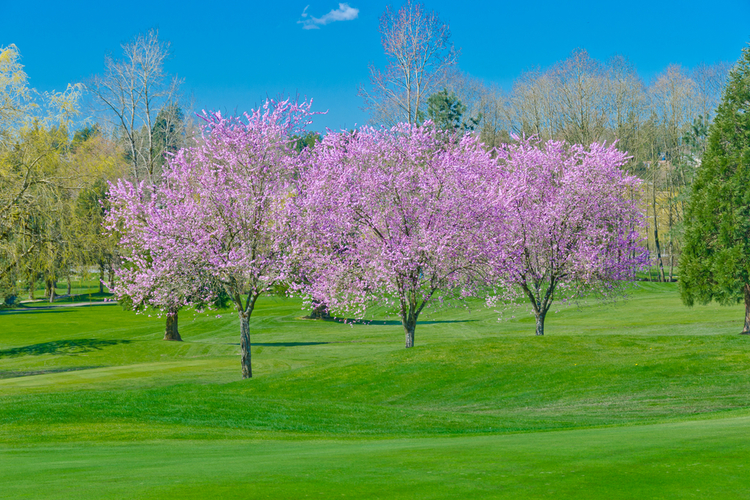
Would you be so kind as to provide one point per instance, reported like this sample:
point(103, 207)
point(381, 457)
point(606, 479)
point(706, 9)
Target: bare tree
point(494, 111)
point(709, 82)
point(579, 87)
point(419, 52)
point(626, 103)
point(533, 105)
point(134, 91)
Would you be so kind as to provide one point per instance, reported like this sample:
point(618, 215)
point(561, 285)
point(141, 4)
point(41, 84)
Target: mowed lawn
point(644, 398)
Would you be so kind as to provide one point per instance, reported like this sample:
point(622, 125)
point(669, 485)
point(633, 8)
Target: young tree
point(419, 52)
point(218, 212)
point(398, 218)
point(573, 224)
point(715, 262)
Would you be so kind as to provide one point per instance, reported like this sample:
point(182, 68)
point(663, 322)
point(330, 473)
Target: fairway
point(642, 398)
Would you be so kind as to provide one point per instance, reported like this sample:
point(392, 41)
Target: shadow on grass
point(287, 344)
point(284, 344)
point(392, 322)
point(297, 344)
point(17, 374)
point(60, 347)
point(35, 310)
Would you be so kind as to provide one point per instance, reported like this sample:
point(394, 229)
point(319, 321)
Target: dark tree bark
point(662, 277)
point(171, 332)
point(101, 276)
point(540, 322)
point(541, 301)
point(746, 328)
point(31, 290)
point(409, 326)
point(319, 312)
point(246, 356)
point(411, 308)
point(245, 311)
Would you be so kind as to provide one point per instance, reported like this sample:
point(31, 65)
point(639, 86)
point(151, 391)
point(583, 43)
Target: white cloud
point(343, 13)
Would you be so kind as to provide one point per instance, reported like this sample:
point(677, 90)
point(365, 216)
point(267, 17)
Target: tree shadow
point(287, 344)
point(35, 310)
point(392, 322)
point(284, 344)
point(17, 374)
point(60, 347)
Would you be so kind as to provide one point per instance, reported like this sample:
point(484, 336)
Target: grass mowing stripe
point(683, 460)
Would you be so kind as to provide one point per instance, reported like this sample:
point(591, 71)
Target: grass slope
point(640, 398)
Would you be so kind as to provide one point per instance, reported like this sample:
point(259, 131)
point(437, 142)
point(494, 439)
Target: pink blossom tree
point(400, 217)
point(573, 225)
point(219, 212)
point(147, 277)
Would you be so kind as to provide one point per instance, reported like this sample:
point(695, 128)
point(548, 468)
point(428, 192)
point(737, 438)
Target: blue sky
point(232, 55)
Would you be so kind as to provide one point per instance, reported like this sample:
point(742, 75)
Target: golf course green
point(643, 398)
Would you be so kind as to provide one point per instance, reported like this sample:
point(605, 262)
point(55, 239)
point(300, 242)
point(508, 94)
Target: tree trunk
point(69, 285)
point(409, 327)
point(171, 332)
point(409, 315)
point(101, 276)
point(320, 312)
point(52, 290)
point(31, 290)
point(746, 329)
point(671, 264)
point(662, 278)
point(540, 322)
point(540, 303)
point(247, 369)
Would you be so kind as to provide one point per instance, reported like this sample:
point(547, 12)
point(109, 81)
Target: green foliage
point(307, 140)
point(168, 132)
point(446, 110)
point(84, 134)
point(715, 263)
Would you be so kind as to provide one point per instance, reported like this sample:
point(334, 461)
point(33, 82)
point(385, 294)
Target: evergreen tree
point(715, 263)
point(446, 110)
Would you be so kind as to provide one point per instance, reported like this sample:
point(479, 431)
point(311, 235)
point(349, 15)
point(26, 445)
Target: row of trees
point(662, 124)
point(407, 218)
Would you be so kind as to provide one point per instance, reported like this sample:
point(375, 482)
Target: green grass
point(640, 398)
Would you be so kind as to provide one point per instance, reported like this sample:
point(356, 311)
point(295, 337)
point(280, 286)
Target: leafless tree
point(709, 81)
point(579, 89)
point(494, 111)
point(420, 53)
point(626, 104)
point(135, 91)
point(533, 106)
